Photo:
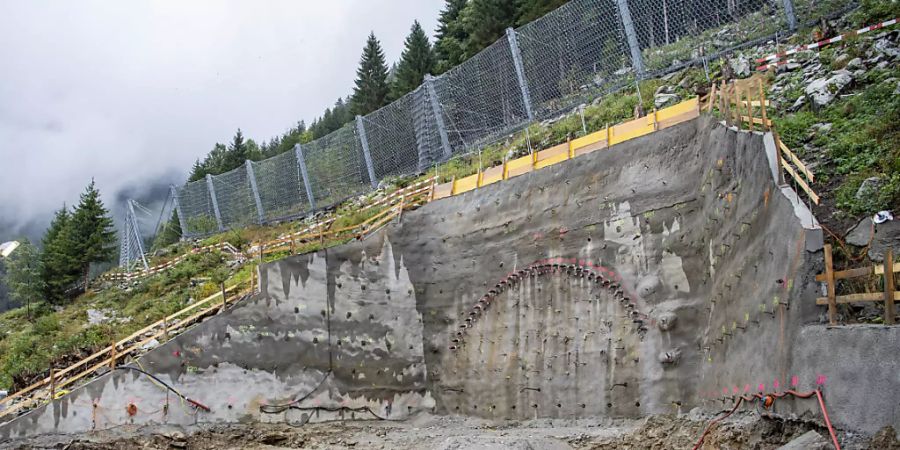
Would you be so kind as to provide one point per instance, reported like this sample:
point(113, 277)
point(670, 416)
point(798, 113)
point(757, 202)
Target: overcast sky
point(132, 92)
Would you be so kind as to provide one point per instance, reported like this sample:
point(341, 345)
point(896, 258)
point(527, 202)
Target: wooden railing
point(407, 198)
point(129, 276)
point(162, 330)
point(53, 385)
point(743, 104)
point(888, 296)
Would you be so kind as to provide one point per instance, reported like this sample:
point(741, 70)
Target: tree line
point(77, 237)
point(465, 27)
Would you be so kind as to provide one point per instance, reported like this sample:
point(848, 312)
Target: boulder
point(869, 188)
point(855, 63)
point(740, 65)
point(663, 100)
point(822, 91)
point(807, 441)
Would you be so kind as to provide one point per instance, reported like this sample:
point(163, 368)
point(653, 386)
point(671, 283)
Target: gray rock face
point(822, 91)
point(665, 96)
point(855, 63)
point(740, 65)
point(861, 234)
point(807, 441)
point(886, 47)
point(869, 187)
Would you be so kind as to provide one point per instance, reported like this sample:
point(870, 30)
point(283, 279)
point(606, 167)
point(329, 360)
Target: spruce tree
point(486, 21)
point(23, 275)
point(531, 10)
point(59, 266)
point(237, 152)
point(371, 88)
point(450, 37)
point(416, 61)
point(92, 230)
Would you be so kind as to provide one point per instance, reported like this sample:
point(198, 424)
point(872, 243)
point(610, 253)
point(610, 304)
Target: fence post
point(637, 61)
point(113, 357)
point(520, 70)
point(889, 287)
point(789, 14)
point(215, 202)
point(52, 382)
point(438, 117)
point(178, 211)
point(361, 130)
point(829, 280)
point(762, 106)
point(252, 177)
point(298, 151)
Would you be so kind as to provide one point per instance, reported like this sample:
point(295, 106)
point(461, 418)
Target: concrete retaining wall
point(707, 289)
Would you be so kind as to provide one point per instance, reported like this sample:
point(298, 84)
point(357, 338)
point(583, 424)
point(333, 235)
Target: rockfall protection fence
point(579, 52)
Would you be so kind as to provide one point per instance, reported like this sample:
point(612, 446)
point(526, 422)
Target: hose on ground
point(762, 398)
point(276, 409)
point(195, 403)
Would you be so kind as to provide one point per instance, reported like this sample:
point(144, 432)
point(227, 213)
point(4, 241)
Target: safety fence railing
point(53, 386)
point(578, 52)
point(743, 104)
point(608, 137)
point(223, 247)
point(883, 273)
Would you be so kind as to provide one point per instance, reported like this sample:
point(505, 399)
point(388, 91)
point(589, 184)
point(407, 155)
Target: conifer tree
point(450, 37)
point(371, 88)
point(59, 267)
point(23, 275)
point(94, 238)
point(416, 61)
point(486, 21)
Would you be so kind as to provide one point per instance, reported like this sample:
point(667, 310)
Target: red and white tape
point(776, 56)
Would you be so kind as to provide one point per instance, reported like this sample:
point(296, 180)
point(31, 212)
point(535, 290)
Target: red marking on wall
point(820, 380)
point(795, 380)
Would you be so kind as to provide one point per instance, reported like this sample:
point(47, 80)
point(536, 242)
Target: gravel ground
point(745, 430)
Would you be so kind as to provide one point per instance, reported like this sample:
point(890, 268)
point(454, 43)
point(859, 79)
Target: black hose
point(166, 385)
point(276, 409)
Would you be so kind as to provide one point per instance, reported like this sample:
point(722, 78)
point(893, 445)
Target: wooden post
point(400, 212)
point(52, 382)
point(112, 356)
point(166, 328)
point(749, 93)
point(889, 287)
point(655, 123)
point(723, 98)
point(829, 280)
point(608, 144)
point(712, 98)
point(737, 106)
point(762, 105)
point(224, 296)
point(292, 245)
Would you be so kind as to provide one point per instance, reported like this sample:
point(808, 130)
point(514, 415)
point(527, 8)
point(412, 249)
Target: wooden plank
point(712, 98)
point(756, 120)
point(879, 270)
point(492, 175)
point(675, 120)
point(443, 190)
point(803, 185)
point(630, 130)
point(592, 147)
point(796, 161)
point(679, 109)
point(849, 273)
point(589, 139)
point(764, 104)
point(858, 298)
point(889, 287)
point(465, 184)
point(829, 281)
point(519, 166)
point(552, 155)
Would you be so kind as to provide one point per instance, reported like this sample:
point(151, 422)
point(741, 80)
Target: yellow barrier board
point(519, 166)
point(465, 184)
point(631, 129)
point(492, 175)
point(590, 139)
point(666, 117)
point(443, 190)
point(552, 155)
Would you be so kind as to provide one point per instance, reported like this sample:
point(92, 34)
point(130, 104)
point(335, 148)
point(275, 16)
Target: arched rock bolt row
point(599, 275)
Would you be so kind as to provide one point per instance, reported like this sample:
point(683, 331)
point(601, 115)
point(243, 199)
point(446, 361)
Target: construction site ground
point(743, 430)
